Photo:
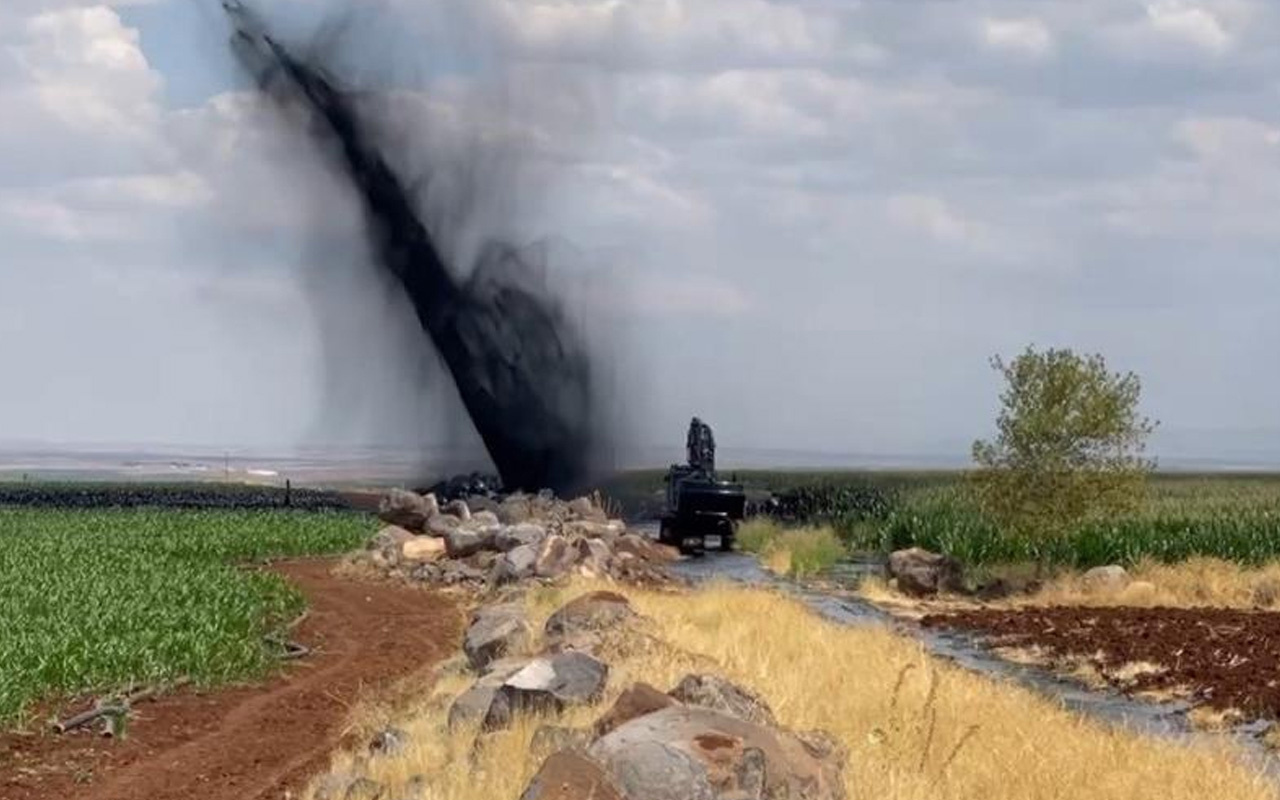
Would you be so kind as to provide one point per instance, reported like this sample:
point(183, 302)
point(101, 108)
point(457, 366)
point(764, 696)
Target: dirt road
point(249, 743)
point(1220, 658)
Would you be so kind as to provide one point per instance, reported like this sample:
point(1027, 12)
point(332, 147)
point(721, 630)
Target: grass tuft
point(798, 552)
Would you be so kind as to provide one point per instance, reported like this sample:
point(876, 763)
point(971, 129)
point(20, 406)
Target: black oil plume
point(522, 373)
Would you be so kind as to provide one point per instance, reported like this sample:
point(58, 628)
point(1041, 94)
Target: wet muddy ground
point(1219, 658)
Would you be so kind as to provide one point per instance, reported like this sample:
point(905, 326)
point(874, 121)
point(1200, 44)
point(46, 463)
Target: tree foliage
point(1069, 443)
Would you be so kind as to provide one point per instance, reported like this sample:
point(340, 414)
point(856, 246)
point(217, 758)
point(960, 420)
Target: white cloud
point(934, 217)
point(666, 34)
point(1238, 138)
point(1188, 23)
point(1028, 36)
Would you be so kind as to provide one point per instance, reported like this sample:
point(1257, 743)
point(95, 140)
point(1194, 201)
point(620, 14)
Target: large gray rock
point(548, 684)
point(571, 775)
point(513, 536)
point(389, 540)
point(409, 510)
point(591, 613)
point(718, 694)
point(484, 519)
point(516, 565)
point(472, 706)
point(687, 753)
point(468, 541)
point(495, 632)
point(921, 574)
point(442, 524)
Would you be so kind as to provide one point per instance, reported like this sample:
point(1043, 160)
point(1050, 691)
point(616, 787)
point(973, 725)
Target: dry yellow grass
point(917, 729)
point(1198, 582)
point(1194, 583)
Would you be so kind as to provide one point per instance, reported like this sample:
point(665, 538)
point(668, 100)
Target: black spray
point(522, 373)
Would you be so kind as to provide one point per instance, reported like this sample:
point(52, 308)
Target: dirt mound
point(1220, 658)
point(247, 743)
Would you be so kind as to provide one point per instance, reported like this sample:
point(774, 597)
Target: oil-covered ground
point(1220, 658)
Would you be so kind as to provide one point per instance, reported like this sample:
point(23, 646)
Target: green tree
point(1069, 444)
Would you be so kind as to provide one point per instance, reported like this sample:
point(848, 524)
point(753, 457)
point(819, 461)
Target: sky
point(811, 223)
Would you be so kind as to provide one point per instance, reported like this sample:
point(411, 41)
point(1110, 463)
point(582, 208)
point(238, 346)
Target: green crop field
point(1234, 518)
point(92, 601)
point(1230, 516)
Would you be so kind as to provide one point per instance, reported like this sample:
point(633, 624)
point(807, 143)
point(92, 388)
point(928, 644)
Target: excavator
point(702, 512)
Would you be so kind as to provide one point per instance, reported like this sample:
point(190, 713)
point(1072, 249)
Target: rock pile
point(706, 739)
point(485, 542)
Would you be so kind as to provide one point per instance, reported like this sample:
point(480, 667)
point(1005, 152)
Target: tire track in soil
point(250, 743)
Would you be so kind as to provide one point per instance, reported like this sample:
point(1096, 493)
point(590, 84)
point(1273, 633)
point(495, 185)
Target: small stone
point(484, 519)
point(515, 509)
point(590, 613)
point(644, 549)
point(426, 573)
point(365, 789)
point(516, 565)
point(584, 508)
point(464, 542)
point(459, 509)
point(422, 549)
point(456, 572)
point(592, 557)
point(331, 786)
point(514, 536)
point(555, 557)
point(388, 742)
point(1111, 578)
point(495, 632)
point(388, 540)
point(588, 529)
point(714, 692)
point(571, 775)
point(551, 738)
point(442, 524)
point(636, 701)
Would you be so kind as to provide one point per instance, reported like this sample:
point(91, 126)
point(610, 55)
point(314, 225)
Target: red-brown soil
point(1220, 658)
point(253, 742)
